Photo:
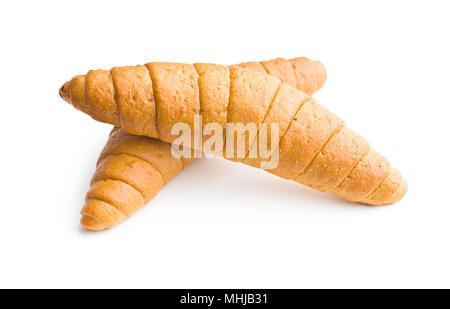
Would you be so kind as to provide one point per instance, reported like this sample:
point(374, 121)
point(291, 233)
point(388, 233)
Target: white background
point(219, 224)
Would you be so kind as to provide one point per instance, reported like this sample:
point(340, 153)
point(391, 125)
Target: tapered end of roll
point(74, 92)
point(401, 192)
point(91, 223)
point(98, 215)
point(391, 190)
point(64, 92)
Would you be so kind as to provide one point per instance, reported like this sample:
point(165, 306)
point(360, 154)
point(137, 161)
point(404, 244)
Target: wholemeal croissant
point(131, 169)
point(315, 148)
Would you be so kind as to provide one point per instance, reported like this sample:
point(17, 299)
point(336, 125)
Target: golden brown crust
point(142, 164)
point(98, 215)
point(253, 66)
point(251, 96)
point(135, 101)
point(309, 77)
point(364, 178)
point(385, 193)
point(310, 129)
point(77, 93)
point(177, 96)
point(135, 172)
point(301, 73)
point(153, 151)
point(118, 194)
point(335, 161)
point(214, 88)
point(315, 147)
point(399, 194)
point(100, 97)
point(307, 74)
point(119, 187)
point(64, 92)
point(282, 69)
point(285, 105)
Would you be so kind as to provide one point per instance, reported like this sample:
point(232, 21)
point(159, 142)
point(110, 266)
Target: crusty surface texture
point(253, 65)
point(153, 151)
point(335, 161)
point(364, 178)
point(100, 90)
point(250, 98)
point(130, 171)
point(301, 73)
point(117, 193)
point(76, 93)
point(316, 149)
point(282, 69)
point(309, 74)
point(391, 189)
point(135, 100)
point(309, 130)
point(214, 91)
point(145, 164)
point(175, 87)
point(98, 215)
point(134, 171)
point(285, 105)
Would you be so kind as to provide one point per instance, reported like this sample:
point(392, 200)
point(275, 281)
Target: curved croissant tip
point(64, 92)
point(91, 223)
